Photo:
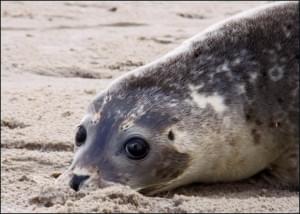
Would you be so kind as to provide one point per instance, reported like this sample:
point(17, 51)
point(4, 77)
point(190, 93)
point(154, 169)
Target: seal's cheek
point(166, 171)
point(172, 164)
point(163, 167)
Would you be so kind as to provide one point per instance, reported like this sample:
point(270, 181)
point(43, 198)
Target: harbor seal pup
point(222, 107)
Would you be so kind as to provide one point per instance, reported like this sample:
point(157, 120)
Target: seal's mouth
point(78, 182)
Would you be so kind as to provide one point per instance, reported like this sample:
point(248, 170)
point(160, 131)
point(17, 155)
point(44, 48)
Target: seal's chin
point(99, 182)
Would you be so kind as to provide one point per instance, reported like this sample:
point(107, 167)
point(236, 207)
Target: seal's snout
point(77, 180)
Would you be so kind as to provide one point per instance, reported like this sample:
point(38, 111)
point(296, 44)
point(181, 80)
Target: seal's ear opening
point(171, 135)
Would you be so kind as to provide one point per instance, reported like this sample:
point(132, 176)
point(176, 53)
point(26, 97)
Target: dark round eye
point(80, 136)
point(136, 148)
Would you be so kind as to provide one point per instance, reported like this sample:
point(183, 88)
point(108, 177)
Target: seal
point(222, 107)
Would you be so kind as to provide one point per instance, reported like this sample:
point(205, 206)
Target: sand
point(55, 57)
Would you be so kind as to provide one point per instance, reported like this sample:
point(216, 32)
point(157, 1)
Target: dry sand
point(55, 56)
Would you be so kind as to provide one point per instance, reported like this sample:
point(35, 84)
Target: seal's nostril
point(77, 180)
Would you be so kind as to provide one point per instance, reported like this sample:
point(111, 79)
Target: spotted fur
point(229, 95)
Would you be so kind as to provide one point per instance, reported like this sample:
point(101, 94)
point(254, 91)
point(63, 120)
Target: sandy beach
point(55, 58)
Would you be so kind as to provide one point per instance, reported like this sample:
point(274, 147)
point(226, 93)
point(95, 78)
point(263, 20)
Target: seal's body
point(222, 107)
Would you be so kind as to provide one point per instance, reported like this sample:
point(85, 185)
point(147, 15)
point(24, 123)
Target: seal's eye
point(136, 148)
point(80, 136)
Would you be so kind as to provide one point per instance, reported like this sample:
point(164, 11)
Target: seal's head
point(148, 131)
point(199, 114)
point(127, 137)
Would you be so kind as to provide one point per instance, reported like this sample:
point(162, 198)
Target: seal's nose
point(77, 180)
